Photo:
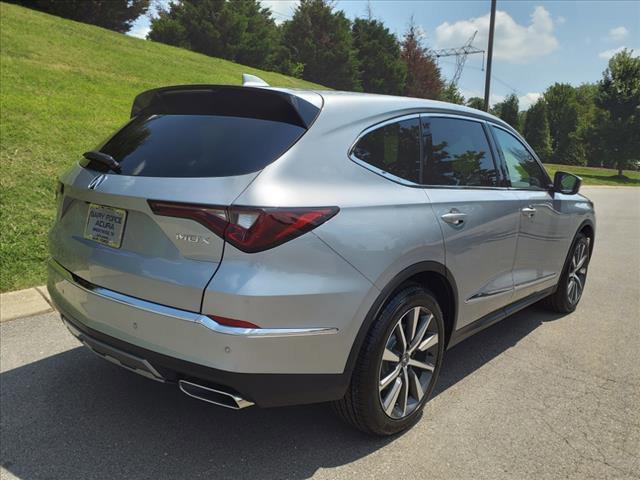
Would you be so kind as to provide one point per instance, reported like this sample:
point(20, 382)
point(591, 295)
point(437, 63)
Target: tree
point(619, 97)
point(378, 52)
point(423, 75)
point(562, 113)
point(476, 102)
point(587, 114)
point(451, 94)
point(508, 109)
point(240, 30)
point(117, 15)
point(536, 130)
point(320, 39)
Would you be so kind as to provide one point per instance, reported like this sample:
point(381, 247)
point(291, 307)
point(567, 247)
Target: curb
point(608, 186)
point(24, 303)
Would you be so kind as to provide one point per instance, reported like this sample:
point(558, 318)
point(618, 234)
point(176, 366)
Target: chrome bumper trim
point(187, 316)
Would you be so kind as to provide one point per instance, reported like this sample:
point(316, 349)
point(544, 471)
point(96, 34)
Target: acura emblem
point(96, 182)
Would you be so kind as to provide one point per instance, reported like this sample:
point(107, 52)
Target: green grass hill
point(65, 86)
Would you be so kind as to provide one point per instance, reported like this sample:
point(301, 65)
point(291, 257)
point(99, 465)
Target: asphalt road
point(536, 396)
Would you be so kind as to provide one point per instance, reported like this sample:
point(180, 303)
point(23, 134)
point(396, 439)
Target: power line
point(493, 76)
point(461, 54)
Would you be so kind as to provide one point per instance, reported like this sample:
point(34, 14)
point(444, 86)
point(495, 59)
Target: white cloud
point(617, 34)
point(514, 43)
point(607, 54)
point(525, 101)
point(281, 9)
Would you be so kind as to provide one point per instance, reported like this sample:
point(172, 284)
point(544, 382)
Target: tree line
point(319, 44)
point(596, 124)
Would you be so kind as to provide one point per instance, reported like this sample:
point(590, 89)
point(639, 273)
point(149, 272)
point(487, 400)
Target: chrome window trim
point(408, 183)
point(372, 168)
point(188, 316)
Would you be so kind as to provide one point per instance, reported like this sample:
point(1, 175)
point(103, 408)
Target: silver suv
point(270, 246)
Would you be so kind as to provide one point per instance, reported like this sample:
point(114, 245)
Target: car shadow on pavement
point(75, 416)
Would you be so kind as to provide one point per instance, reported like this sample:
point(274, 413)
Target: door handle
point(454, 217)
point(528, 211)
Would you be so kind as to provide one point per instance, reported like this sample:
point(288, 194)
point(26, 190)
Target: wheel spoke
point(422, 365)
point(581, 262)
point(400, 336)
point(416, 386)
point(392, 397)
point(420, 334)
point(386, 381)
point(389, 356)
point(414, 319)
point(428, 342)
point(578, 285)
point(404, 394)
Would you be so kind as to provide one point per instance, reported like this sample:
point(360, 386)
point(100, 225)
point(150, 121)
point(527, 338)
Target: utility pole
point(487, 81)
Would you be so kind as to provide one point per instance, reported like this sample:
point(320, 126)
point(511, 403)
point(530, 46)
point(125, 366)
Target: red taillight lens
point(214, 218)
point(249, 229)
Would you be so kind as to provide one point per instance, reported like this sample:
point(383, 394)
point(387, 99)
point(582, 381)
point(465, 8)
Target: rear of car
point(154, 265)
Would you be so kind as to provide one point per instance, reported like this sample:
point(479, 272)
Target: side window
point(523, 169)
point(394, 148)
point(457, 153)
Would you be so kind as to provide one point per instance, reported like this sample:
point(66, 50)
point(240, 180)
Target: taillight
point(246, 228)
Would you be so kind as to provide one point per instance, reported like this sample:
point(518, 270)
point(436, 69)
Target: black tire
point(564, 299)
point(362, 406)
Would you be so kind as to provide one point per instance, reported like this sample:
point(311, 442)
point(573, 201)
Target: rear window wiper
point(104, 159)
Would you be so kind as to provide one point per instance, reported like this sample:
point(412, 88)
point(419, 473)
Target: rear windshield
point(197, 145)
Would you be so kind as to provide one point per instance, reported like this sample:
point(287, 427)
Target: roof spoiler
point(226, 100)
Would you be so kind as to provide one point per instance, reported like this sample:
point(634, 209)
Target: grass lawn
point(65, 86)
point(598, 176)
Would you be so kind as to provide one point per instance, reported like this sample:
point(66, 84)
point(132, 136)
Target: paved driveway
point(536, 396)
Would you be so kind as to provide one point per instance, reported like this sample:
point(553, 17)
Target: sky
point(536, 43)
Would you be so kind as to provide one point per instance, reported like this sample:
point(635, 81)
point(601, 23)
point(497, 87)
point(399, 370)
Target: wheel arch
point(587, 228)
point(429, 274)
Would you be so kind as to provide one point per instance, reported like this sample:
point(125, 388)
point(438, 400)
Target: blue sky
point(537, 43)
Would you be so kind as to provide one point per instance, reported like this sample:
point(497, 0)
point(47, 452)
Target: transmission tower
point(461, 54)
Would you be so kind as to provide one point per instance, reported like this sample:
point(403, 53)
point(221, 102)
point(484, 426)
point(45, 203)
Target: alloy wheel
point(408, 362)
point(577, 272)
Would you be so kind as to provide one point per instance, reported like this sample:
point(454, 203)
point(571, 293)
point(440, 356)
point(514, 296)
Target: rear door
point(544, 228)
point(478, 216)
point(195, 152)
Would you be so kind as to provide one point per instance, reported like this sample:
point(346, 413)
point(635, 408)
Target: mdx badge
point(185, 237)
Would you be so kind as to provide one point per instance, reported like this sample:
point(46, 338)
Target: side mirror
point(567, 183)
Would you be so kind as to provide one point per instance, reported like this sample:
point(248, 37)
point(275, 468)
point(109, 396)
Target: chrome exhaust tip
point(211, 395)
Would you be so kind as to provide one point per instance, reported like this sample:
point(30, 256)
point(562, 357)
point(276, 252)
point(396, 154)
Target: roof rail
point(253, 81)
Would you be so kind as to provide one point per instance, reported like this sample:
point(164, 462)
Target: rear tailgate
point(188, 144)
point(161, 259)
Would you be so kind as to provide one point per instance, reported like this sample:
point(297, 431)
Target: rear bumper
point(260, 365)
point(265, 390)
